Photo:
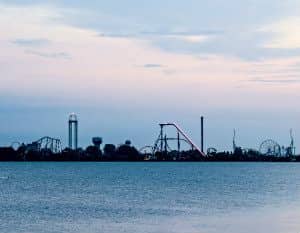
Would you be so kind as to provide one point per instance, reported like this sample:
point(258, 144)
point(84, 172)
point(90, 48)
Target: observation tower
point(73, 131)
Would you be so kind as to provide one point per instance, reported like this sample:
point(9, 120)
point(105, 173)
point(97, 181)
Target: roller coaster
point(162, 145)
point(47, 143)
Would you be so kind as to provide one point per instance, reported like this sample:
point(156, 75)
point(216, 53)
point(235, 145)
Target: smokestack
point(202, 134)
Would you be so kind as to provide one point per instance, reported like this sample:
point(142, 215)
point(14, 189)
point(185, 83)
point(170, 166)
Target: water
point(149, 197)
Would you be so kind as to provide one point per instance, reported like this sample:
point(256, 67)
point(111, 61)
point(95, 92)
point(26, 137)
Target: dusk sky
point(125, 66)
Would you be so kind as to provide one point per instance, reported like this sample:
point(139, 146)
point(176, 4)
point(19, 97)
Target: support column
point(161, 138)
point(202, 134)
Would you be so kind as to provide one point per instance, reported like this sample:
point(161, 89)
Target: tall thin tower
point(202, 134)
point(73, 131)
point(292, 146)
point(233, 140)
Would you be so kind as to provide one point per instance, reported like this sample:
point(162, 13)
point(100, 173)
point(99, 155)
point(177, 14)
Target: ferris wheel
point(270, 148)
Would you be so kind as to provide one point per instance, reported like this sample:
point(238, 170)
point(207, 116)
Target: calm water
point(150, 197)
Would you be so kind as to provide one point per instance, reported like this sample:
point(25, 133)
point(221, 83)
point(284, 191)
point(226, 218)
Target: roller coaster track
point(49, 143)
point(183, 134)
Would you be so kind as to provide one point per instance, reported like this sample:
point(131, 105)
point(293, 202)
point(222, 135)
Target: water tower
point(97, 141)
point(73, 131)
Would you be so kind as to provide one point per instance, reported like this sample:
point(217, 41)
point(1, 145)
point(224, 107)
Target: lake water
point(150, 197)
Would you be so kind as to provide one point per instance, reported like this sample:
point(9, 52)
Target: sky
point(125, 66)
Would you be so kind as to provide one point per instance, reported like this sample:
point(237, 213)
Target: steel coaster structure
point(146, 149)
point(161, 144)
point(48, 143)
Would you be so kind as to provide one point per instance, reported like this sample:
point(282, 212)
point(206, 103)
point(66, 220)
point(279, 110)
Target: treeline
point(127, 152)
point(92, 153)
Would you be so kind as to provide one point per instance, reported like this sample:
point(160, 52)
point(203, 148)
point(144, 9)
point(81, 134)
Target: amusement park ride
point(163, 142)
point(44, 144)
point(270, 147)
